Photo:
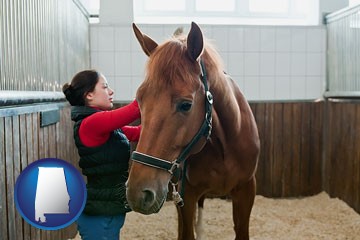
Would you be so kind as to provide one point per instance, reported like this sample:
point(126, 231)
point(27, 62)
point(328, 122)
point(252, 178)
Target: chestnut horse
point(185, 89)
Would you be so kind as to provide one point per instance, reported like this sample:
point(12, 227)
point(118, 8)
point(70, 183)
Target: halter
point(204, 131)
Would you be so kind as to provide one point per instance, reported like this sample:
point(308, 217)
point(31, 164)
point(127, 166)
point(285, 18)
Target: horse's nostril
point(149, 198)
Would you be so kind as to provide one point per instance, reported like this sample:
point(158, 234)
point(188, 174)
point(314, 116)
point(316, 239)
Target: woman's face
point(102, 96)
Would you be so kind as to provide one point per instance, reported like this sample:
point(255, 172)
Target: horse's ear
point(147, 44)
point(195, 42)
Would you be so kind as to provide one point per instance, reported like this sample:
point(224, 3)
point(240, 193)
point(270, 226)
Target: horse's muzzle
point(146, 201)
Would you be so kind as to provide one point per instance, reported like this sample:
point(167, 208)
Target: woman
point(102, 139)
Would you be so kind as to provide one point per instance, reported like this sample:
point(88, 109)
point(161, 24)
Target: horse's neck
point(228, 101)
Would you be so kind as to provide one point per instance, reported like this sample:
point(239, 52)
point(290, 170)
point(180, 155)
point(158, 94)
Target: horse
point(198, 134)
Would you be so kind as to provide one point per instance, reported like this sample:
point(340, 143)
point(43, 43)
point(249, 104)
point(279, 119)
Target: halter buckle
point(209, 97)
point(174, 166)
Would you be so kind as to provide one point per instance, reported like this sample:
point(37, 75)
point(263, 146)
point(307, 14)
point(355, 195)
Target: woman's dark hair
point(81, 84)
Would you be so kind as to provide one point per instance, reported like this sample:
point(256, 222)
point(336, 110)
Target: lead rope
point(176, 196)
point(183, 179)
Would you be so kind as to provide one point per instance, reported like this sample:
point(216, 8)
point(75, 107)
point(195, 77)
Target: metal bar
point(1, 46)
point(346, 94)
point(82, 8)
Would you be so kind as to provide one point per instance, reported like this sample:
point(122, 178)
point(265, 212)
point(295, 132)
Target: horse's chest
point(208, 171)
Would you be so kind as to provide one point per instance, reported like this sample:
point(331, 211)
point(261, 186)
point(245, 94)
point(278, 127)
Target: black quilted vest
point(106, 169)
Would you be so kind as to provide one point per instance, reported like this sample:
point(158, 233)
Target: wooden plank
point(50, 153)
point(52, 140)
point(261, 115)
point(349, 148)
point(10, 178)
point(36, 143)
point(344, 159)
point(29, 139)
point(66, 147)
point(17, 170)
point(317, 146)
point(3, 199)
point(336, 158)
point(331, 149)
point(258, 112)
point(287, 141)
point(59, 147)
point(296, 149)
point(41, 143)
point(268, 152)
point(30, 158)
point(328, 147)
point(356, 183)
point(71, 156)
point(339, 161)
point(277, 161)
point(52, 136)
point(43, 146)
point(24, 162)
point(33, 155)
point(341, 155)
point(305, 148)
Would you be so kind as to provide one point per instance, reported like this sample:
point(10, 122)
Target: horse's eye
point(184, 106)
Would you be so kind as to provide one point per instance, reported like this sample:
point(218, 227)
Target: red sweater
point(95, 129)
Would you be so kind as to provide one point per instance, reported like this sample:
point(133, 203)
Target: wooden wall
point(309, 147)
point(342, 155)
point(23, 141)
point(291, 135)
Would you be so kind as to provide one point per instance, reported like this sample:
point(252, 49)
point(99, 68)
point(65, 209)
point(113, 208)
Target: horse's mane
point(170, 62)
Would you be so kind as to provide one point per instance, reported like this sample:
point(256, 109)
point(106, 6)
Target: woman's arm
point(132, 132)
point(96, 128)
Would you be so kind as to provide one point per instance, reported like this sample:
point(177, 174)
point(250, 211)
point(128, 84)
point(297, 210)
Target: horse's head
point(171, 99)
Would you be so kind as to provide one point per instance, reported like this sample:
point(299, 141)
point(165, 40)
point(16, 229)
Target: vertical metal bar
point(11, 45)
point(1, 46)
point(330, 43)
point(40, 46)
point(49, 36)
point(30, 50)
point(24, 52)
point(347, 52)
point(14, 44)
point(18, 66)
point(356, 50)
point(35, 16)
point(15, 41)
point(6, 43)
point(46, 30)
point(33, 32)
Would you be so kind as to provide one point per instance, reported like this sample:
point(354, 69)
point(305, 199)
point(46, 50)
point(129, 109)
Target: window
point(354, 2)
point(264, 12)
point(213, 5)
point(275, 6)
